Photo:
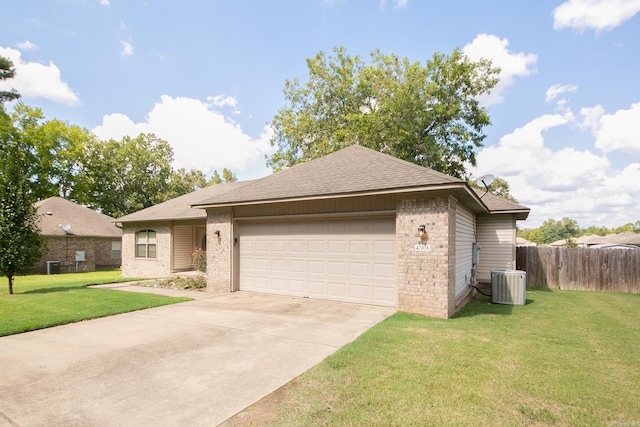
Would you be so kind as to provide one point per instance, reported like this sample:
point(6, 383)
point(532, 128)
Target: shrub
point(199, 259)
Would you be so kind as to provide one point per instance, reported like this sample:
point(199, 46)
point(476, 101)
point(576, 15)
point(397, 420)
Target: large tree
point(423, 113)
point(55, 148)
point(120, 177)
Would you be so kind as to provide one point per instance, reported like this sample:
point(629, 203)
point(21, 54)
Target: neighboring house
point(520, 241)
point(625, 238)
point(78, 238)
point(355, 226)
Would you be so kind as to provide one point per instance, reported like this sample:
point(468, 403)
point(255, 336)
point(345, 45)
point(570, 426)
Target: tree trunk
point(10, 284)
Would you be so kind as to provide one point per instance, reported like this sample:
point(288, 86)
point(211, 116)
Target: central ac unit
point(508, 287)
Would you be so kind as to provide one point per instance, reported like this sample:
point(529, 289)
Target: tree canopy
point(120, 177)
point(55, 149)
point(423, 113)
point(553, 230)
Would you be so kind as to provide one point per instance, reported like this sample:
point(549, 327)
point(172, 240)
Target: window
point(146, 244)
point(116, 250)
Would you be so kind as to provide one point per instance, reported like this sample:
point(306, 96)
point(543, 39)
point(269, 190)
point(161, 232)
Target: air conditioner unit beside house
point(508, 287)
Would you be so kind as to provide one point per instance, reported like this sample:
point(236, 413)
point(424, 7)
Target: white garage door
point(351, 260)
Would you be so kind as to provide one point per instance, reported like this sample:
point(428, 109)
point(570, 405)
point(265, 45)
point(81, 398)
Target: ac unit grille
point(508, 287)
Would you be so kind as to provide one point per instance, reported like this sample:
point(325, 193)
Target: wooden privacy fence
point(616, 270)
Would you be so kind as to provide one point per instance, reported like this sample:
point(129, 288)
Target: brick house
point(356, 225)
point(78, 238)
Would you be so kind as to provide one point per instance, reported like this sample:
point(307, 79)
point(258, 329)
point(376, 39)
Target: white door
point(352, 260)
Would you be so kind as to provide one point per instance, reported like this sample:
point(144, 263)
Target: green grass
point(42, 301)
point(565, 358)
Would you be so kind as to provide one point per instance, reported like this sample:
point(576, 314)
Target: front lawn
point(565, 358)
point(42, 301)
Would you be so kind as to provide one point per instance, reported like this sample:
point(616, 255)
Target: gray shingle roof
point(179, 208)
point(498, 204)
point(352, 170)
point(84, 222)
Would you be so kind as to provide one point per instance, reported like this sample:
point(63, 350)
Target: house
point(356, 225)
point(520, 241)
point(78, 238)
point(158, 240)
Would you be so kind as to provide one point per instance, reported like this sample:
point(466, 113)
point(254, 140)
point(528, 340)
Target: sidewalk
point(135, 287)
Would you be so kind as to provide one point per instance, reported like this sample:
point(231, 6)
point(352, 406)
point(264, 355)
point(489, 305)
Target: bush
point(196, 282)
point(199, 259)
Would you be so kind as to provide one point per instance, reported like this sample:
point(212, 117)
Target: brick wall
point(104, 257)
point(426, 278)
point(63, 249)
point(219, 250)
point(146, 267)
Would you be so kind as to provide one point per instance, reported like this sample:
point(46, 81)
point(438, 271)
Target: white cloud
point(26, 45)
point(397, 4)
point(35, 80)
point(221, 100)
point(512, 65)
point(565, 182)
point(556, 90)
point(591, 117)
point(105, 2)
point(127, 48)
point(201, 137)
point(594, 14)
point(617, 131)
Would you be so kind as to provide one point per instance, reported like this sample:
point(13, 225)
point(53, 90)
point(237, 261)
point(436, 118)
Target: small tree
point(499, 187)
point(21, 245)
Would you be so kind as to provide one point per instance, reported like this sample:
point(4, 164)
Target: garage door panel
point(337, 247)
point(384, 270)
point(359, 247)
point(362, 292)
point(262, 246)
point(316, 247)
point(337, 267)
point(279, 284)
point(384, 293)
point(337, 289)
point(262, 264)
point(317, 289)
point(383, 247)
point(279, 246)
point(279, 265)
point(359, 269)
point(349, 260)
point(297, 266)
point(297, 246)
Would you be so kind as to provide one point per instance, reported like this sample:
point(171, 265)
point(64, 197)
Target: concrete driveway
point(193, 363)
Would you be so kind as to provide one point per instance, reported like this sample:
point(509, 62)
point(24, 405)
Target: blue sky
point(207, 76)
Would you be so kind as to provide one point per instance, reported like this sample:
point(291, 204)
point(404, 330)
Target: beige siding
point(350, 204)
point(465, 236)
point(183, 244)
point(497, 239)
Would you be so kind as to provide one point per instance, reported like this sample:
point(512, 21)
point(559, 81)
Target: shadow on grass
point(482, 305)
point(52, 290)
